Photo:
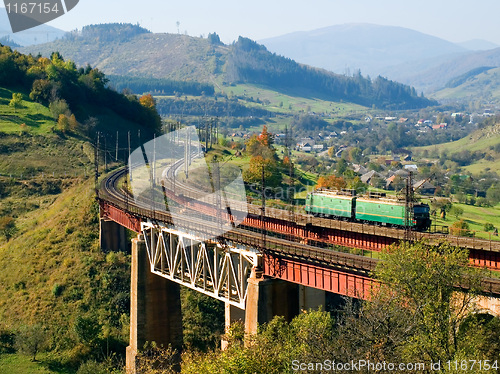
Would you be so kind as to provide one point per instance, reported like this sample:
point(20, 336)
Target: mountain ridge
point(181, 57)
point(364, 46)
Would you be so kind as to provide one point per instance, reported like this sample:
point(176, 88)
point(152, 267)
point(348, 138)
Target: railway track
point(203, 226)
point(271, 246)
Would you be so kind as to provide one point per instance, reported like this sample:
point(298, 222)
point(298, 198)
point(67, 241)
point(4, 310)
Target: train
point(374, 208)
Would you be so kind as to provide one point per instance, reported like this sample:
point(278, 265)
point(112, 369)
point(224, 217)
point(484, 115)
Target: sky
point(453, 20)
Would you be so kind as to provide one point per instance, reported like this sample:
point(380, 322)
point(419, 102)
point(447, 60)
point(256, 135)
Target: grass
point(285, 102)
point(476, 217)
point(22, 364)
point(480, 140)
point(37, 117)
point(482, 87)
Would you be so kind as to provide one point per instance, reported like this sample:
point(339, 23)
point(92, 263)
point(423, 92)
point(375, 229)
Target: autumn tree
point(62, 123)
point(264, 158)
point(331, 151)
point(148, 101)
point(263, 167)
point(460, 228)
point(261, 145)
point(331, 182)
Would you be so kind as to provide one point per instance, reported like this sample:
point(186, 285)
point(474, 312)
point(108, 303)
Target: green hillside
point(55, 282)
point(479, 85)
point(482, 147)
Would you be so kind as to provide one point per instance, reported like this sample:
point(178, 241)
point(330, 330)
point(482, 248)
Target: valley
point(71, 110)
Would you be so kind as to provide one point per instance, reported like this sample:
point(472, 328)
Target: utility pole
point(291, 188)
point(96, 162)
point(116, 153)
point(105, 156)
point(128, 160)
point(409, 200)
point(263, 208)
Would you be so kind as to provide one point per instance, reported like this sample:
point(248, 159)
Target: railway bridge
point(259, 261)
point(266, 266)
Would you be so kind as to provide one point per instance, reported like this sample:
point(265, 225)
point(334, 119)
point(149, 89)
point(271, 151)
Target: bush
point(489, 227)
point(460, 228)
point(7, 340)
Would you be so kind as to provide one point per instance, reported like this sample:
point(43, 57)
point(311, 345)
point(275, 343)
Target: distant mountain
point(36, 35)
point(478, 45)
point(371, 48)
point(124, 49)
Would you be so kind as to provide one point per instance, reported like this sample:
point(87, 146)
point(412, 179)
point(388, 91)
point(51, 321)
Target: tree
point(148, 101)
point(331, 182)
point(424, 280)
point(16, 102)
point(272, 176)
point(489, 227)
point(63, 123)
point(493, 194)
point(88, 330)
point(331, 151)
point(58, 107)
point(460, 228)
point(202, 321)
point(7, 227)
point(457, 211)
point(32, 340)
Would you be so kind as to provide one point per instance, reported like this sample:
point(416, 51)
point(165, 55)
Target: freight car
point(374, 208)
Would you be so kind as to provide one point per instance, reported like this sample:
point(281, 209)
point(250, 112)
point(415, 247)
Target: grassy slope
point(37, 118)
point(484, 87)
point(297, 101)
point(479, 140)
point(52, 270)
point(21, 364)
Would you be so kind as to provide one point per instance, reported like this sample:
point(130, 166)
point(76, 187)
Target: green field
point(36, 117)
point(21, 364)
point(284, 102)
point(481, 87)
point(480, 140)
point(476, 217)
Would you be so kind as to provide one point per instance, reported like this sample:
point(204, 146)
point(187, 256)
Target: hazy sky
point(454, 20)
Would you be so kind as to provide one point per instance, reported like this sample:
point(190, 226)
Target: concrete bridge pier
point(232, 315)
point(112, 236)
point(311, 298)
point(155, 307)
point(266, 298)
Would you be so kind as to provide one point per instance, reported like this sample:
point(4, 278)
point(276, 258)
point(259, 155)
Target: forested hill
point(250, 62)
point(124, 49)
point(68, 90)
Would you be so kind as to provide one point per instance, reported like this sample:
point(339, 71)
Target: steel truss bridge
point(305, 251)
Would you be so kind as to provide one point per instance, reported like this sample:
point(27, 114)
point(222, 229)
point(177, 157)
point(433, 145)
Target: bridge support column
point(155, 307)
point(232, 315)
point(311, 298)
point(267, 298)
point(112, 236)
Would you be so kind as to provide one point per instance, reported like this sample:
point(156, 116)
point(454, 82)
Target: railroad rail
point(278, 247)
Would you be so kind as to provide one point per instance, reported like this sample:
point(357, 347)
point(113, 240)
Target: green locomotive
point(375, 208)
